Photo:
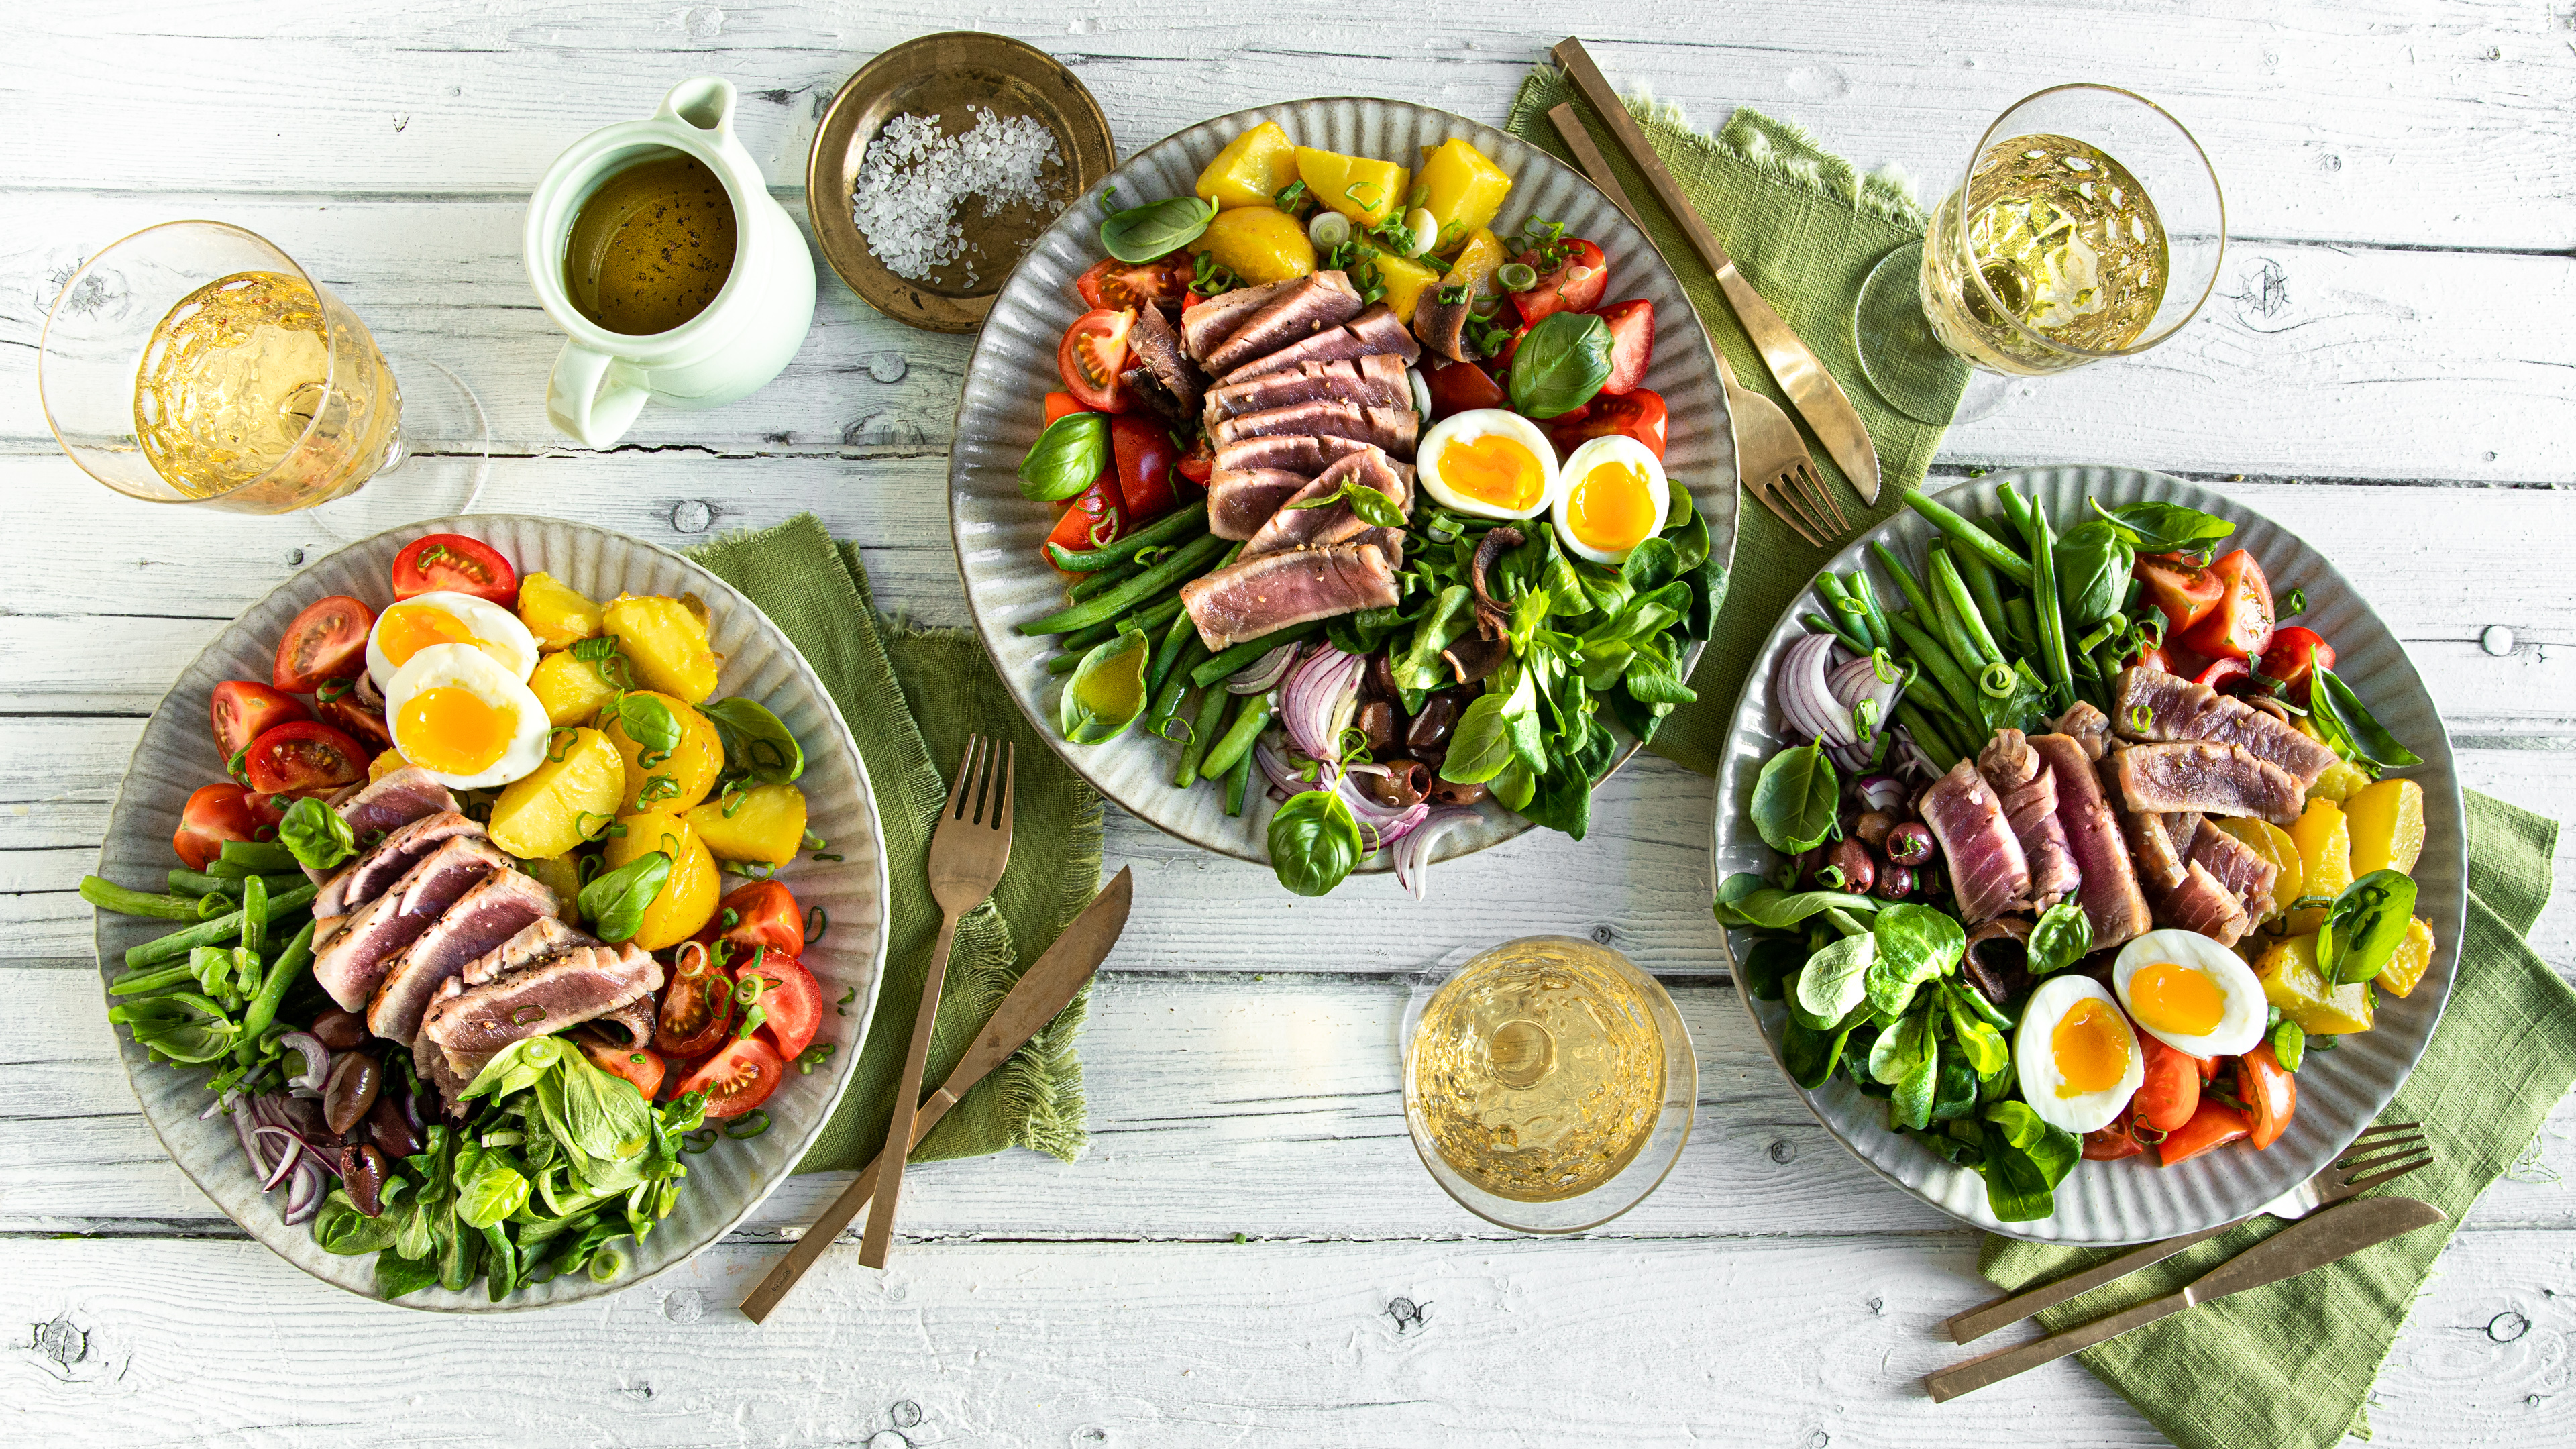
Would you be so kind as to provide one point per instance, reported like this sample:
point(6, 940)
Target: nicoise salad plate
point(491, 915)
point(2091, 855)
point(1344, 486)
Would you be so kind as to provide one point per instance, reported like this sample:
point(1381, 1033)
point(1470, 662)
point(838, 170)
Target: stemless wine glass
point(195, 362)
point(2087, 224)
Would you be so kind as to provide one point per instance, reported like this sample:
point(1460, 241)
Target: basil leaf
point(1747, 900)
point(756, 741)
point(1794, 800)
point(315, 835)
point(1067, 458)
point(649, 723)
point(1560, 800)
point(2165, 527)
point(2060, 938)
point(1374, 508)
point(1653, 563)
point(1314, 842)
point(2349, 727)
point(2092, 563)
point(1561, 364)
point(2025, 1161)
point(614, 904)
point(1835, 979)
point(1482, 743)
point(1156, 229)
point(1107, 691)
point(2364, 926)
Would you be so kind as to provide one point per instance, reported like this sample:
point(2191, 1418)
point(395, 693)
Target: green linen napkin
point(1805, 228)
point(2289, 1366)
point(911, 696)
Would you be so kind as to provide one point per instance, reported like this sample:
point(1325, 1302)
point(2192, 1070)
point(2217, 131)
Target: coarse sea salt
point(915, 176)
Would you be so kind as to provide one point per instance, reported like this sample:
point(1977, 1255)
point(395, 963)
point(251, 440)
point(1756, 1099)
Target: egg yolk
point(406, 630)
point(2171, 997)
point(1494, 470)
point(1611, 507)
point(454, 731)
point(2092, 1048)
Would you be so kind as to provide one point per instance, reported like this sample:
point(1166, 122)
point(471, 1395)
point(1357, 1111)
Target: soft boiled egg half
point(2191, 993)
point(457, 713)
point(425, 621)
point(1611, 496)
point(1489, 462)
point(2079, 1061)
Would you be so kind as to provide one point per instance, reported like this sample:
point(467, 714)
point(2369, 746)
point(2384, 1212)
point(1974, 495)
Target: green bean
point(1237, 741)
point(1167, 704)
point(1212, 707)
point(1066, 662)
point(260, 857)
point(1172, 527)
point(1839, 604)
point(1950, 630)
point(1182, 638)
point(1192, 560)
point(107, 895)
point(1915, 598)
point(1862, 590)
point(1980, 579)
point(2045, 605)
point(254, 914)
point(1153, 615)
point(1238, 785)
point(1819, 624)
point(1933, 741)
point(291, 964)
point(198, 883)
point(2024, 624)
point(1945, 574)
point(152, 983)
point(207, 933)
point(2006, 562)
point(1233, 659)
point(1936, 663)
point(1101, 582)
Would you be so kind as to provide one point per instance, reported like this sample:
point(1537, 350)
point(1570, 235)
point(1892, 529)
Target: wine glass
point(195, 362)
point(2087, 225)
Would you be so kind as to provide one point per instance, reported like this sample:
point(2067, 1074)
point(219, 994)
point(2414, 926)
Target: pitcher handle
point(583, 401)
point(705, 102)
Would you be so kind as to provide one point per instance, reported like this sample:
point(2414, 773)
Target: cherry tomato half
point(267, 812)
point(2171, 1091)
point(2213, 1124)
point(1144, 453)
point(456, 564)
point(302, 756)
point(791, 1001)
point(2220, 674)
point(243, 711)
point(1639, 415)
point(1461, 387)
point(2110, 1144)
point(1632, 344)
point(1092, 358)
point(1574, 284)
point(1199, 463)
point(2296, 654)
point(641, 1065)
point(697, 1004)
point(762, 913)
point(2178, 586)
point(327, 640)
point(2270, 1091)
point(2241, 624)
point(1097, 517)
point(341, 711)
point(213, 815)
point(1062, 404)
point(737, 1078)
point(1114, 286)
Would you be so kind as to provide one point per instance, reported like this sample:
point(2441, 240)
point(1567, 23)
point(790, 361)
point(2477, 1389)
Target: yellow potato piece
point(1477, 260)
point(1461, 189)
point(384, 764)
point(1405, 281)
point(2292, 982)
point(1252, 169)
point(2340, 779)
point(690, 770)
point(2324, 838)
point(666, 641)
point(1258, 244)
point(559, 616)
point(2272, 843)
point(2387, 826)
point(1366, 190)
point(562, 875)
point(2412, 958)
point(542, 814)
point(768, 823)
point(571, 689)
point(688, 897)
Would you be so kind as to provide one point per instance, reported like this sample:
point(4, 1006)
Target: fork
point(1772, 459)
point(968, 852)
point(2382, 1154)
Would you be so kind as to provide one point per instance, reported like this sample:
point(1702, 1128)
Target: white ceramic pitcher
point(743, 338)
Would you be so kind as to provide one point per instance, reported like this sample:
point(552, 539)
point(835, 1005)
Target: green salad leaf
point(1795, 799)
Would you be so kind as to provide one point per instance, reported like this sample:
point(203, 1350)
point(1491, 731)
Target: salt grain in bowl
point(915, 176)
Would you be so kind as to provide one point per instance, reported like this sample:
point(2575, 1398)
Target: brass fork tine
point(1789, 493)
point(2384, 1129)
point(957, 792)
point(1815, 481)
point(2404, 1149)
point(1001, 820)
point(1761, 491)
point(2376, 1178)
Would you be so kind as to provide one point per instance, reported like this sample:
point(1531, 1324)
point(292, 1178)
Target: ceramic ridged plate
point(2340, 1092)
point(177, 754)
point(998, 532)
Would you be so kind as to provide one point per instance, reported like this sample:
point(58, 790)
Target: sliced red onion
point(294, 1153)
point(1806, 696)
point(1317, 702)
point(1850, 684)
point(1262, 673)
point(1413, 855)
point(1283, 772)
point(1880, 792)
point(317, 1060)
point(1913, 755)
point(304, 1194)
point(250, 1144)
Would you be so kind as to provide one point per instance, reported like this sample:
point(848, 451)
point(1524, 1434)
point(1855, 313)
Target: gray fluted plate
point(177, 754)
point(997, 532)
point(2340, 1092)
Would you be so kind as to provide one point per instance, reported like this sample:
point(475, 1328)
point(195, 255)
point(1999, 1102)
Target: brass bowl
point(947, 75)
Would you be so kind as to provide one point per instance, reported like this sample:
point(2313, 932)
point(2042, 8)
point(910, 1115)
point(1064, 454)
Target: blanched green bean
point(2006, 562)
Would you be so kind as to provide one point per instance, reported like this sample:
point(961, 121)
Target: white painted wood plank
point(2320, 117)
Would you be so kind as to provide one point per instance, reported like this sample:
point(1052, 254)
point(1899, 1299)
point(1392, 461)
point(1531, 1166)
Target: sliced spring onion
point(1328, 229)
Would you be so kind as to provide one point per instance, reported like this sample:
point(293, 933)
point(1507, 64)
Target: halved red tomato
point(1144, 452)
point(342, 712)
point(2172, 658)
point(1097, 517)
point(2110, 1144)
point(1632, 344)
point(1461, 387)
point(1062, 404)
point(2178, 586)
point(2170, 1092)
point(1639, 415)
point(1113, 285)
point(1092, 356)
point(2241, 624)
point(791, 1001)
point(2227, 676)
point(697, 1005)
point(2214, 1124)
point(737, 1078)
point(2295, 655)
point(1199, 463)
point(303, 755)
point(327, 640)
point(763, 913)
point(2272, 1092)
point(213, 815)
point(641, 1065)
point(267, 812)
point(1574, 284)
point(456, 564)
point(243, 711)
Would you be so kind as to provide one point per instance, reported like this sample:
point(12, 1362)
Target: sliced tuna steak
point(1310, 305)
point(1256, 596)
point(1987, 867)
point(355, 961)
point(368, 876)
point(2113, 905)
point(1295, 527)
point(1393, 429)
point(377, 808)
point(1372, 332)
point(492, 911)
point(2087, 726)
point(2159, 862)
point(1388, 541)
point(1377, 381)
point(465, 1026)
point(2237, 867)
point(1304, 457)
point(2151, 705)
point(539, 939)
point(1209, 323)
point(1240, 500)
point(1169, 384)
point(2028, 792)
point(2212, 778)
point(2202, 902)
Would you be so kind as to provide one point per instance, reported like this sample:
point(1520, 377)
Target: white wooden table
point(1250, 1253)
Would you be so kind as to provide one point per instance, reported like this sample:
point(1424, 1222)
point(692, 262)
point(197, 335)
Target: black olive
point(1432, 726)
point(1376, 720)
point(1853, 860)
point(1909, 844)
point(1381, 677)
point(362, 1172)
point(389, 1129)
point(1872, 827)
point(1450, 792)
point(340, 1030)
point(1400, 788)
point(355, 1080)
point(1894, 883)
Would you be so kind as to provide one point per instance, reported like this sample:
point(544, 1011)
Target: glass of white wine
point(196, 363)
point(2087, 225)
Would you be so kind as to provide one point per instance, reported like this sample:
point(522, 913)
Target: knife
point(1811, 389)
point(2336, 1233)
point(1039, 996)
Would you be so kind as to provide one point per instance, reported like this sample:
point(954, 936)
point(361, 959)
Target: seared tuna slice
point(2237, 867)
point(2087, 726)
point(1377, 381)
point(378, 808)
point(1388, 541)
point(1442, 326)
point(1167, 382)
point(1393, 429)
point(2159, 862)
point(1211, 322)
point(1987, 867)
point(2149, 704)
point(1295, 527)
point(630, 1025)
point(466, 1026)
point(355, 961)
point(1372, 332)
point(2028, 791)
point(2113, 904)
point(1256, 596)
point(2203, 903)
point(1304, 457)
point(1240, 500)
point(2212, 778)
point(1310, 305)
point(493, 911)
point(374, 871)
point(539, 939)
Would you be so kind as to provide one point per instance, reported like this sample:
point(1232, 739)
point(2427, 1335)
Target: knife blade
point(1811, 389)
point(2326, 1237)
point(1037, 998)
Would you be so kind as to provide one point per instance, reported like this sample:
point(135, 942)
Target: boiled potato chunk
point(559, 616)
point(571, 689)
point(1477, 260)
point(1366, 190)
point(2324, 838)
point(1252, 169)
point(540, 815)
point(1405, 280)
point(385, 764)
point(768, 823)
point(688, 897)
point(2272, 843)
point(2412, 958)
point(2292, 982)
point(2387, 826)
point(2340, 779)
point(1258, 244)
point(691, 768)
point(562, 875)
point(666, 642)
point(1462, 190)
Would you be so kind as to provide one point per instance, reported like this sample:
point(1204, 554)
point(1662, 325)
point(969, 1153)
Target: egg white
point(2035, 1058)
point(1617, 449)
point(464, 666)
point(1483, 423)
point(505, 639)
point(2246, 1011)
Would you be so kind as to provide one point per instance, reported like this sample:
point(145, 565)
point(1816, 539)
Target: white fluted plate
point(2340, 1092)
point(177, 754)
point(997, 532)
